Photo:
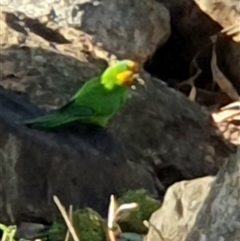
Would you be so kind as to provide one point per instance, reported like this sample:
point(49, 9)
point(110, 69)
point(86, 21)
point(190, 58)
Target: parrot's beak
point(139, 80)
point(135, 68)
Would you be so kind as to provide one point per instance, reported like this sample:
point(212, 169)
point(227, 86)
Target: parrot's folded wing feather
point(88, 86)
point(75, 109)
point(68, 113)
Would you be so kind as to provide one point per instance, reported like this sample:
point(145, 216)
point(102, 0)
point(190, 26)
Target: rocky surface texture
point(51, 33)
point(124, 28)
point(219, 216)
point(202, 209)
point(48, 49)
point(181, 205)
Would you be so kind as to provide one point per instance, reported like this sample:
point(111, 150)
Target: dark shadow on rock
point(20, 22)
point(83, 166)
point(191, 31)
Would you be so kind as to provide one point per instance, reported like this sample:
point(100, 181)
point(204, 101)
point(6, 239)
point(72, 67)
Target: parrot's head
point(121, 73)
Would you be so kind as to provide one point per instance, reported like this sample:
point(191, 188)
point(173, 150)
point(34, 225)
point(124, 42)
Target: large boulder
point(86, 40)
point(132, 29)
point(125, 29)
point(202, 209)
point(181, 205)
point(218, 218)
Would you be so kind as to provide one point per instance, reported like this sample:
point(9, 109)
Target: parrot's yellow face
point(127, 76)
point(121, 73)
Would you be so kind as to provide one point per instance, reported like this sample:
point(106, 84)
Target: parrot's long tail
point(49, 121)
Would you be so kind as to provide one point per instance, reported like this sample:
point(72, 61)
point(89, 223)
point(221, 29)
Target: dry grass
point(113, 229)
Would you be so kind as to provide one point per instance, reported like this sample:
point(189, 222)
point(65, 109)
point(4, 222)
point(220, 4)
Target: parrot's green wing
point(66, 114)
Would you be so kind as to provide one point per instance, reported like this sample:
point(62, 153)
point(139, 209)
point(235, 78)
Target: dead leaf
point(225, 115)
point(113, 206)
point(228, 113)
point(190, 81)
point(234, 105)
point(232, 31)
point(66, 218)
point(227, 120)
point(70, 213)
point(221, 80)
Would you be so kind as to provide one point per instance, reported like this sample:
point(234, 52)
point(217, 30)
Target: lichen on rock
point(133, 221)
point(89, 225)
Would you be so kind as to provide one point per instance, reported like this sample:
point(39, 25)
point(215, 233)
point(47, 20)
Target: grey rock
point(132, 29)
point(219, 218)
point(172, 132)
point(126, 29)
point(201, 209)
point(181, 205)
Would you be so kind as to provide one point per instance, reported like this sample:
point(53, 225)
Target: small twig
point(228, 121)
point(148, 224)
point(225, 116)
point(4, 236)
point(70, 218)
point(233, 106)
point(218, 77)
point(66, 219)
point(124, 207)
point(232, 31)
point(111, 216)
point(191, 81)
point(114, 214)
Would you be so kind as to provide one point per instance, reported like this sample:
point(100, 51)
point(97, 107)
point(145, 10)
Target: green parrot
point(96, 101)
